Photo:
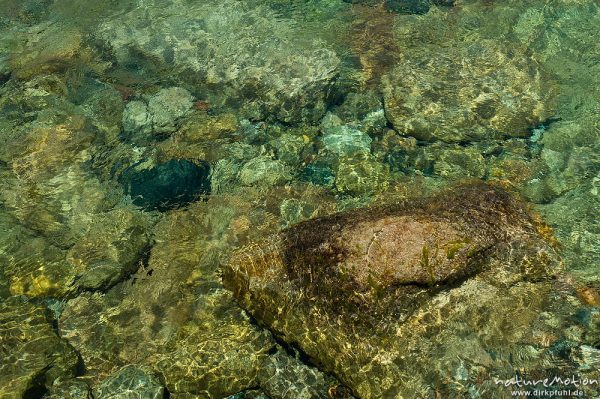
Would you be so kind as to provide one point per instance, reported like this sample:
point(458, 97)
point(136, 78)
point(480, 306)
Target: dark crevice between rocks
point(170, 185)
point(294, 351)
point(494, 153)
point(291, 349)
point(4, 78)
point(337, 93)
point(544, 125)
point(163, 382)
point(37, 389)
point(464, 144)
point(388, 124)
point(80, 369)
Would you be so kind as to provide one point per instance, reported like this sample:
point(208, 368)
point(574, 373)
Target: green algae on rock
point(350, 289)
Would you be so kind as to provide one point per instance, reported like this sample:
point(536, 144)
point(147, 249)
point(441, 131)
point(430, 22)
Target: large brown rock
point(376, 295)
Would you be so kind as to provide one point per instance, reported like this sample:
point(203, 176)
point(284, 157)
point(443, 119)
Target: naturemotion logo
point(562, 386)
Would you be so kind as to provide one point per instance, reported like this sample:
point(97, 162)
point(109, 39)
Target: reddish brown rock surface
point(356, 289)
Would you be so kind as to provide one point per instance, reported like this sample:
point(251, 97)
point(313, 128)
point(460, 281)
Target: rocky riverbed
point(298, 200)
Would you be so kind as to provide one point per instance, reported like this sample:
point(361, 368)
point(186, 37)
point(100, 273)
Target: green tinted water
point(145, 141)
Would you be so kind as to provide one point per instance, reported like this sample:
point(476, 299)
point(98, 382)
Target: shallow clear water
point(159, 159)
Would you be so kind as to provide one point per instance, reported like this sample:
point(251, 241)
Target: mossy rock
point(355, 289)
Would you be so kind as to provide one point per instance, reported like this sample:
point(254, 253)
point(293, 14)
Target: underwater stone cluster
point(267, 69)
point(145, 141)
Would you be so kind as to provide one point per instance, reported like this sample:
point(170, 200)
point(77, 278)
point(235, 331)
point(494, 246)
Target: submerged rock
point(356, 289)
point(263, 171)
point(110, 249)
point(575, 218)
point(283, 376)
point(50, 47)
point(64, 229)
point(168, 185)
point(467, 94)
point(174, 317)
point(361, 175)
point(107, 251)
point(289, 148)
point(158, 114)
point(69, 389)
point(346, 140)
point(319, 173)
point(405, 6)
point(33, 355)
point(249, 394)
point(456, 162)
point(409, 6)
point(235, 54)
point(358, 105)
point(131, 382)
